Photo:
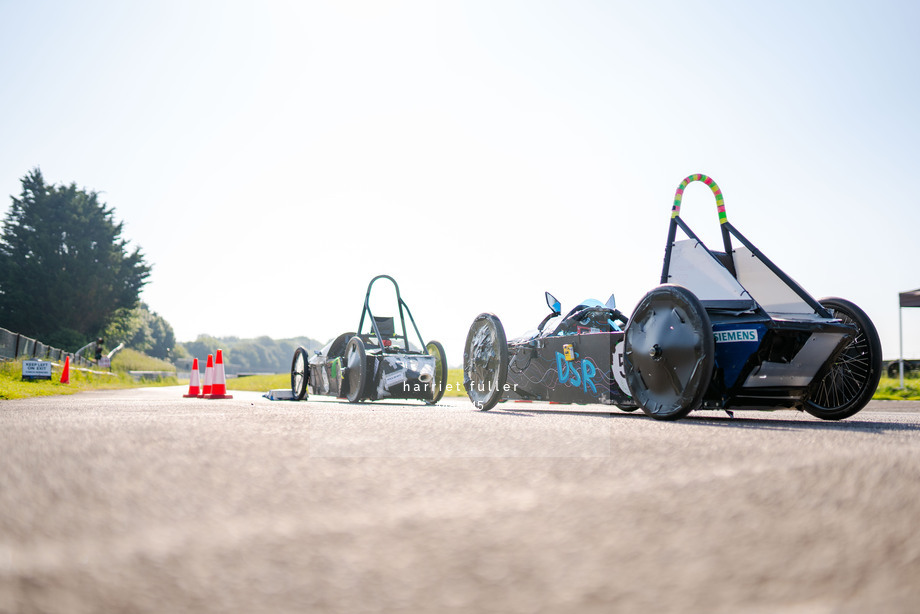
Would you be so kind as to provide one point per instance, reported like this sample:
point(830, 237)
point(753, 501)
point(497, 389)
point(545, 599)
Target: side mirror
point(553, 303)
point(611, 303)
point(555, 308)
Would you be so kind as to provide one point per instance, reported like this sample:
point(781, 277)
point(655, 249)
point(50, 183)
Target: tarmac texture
point(141, 501)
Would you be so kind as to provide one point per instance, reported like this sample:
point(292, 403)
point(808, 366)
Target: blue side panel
point(735, 342)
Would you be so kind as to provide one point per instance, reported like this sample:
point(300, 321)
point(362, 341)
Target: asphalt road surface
point(142, 501)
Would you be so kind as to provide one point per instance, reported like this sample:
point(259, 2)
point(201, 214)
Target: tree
point(63, 263)
point(143, 330)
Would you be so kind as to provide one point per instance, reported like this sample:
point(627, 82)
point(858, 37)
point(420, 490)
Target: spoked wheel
point(355, 369)
point(670, 352)
point(485, 361)
point(300, 374)
point(854, 374)
point(439, 384)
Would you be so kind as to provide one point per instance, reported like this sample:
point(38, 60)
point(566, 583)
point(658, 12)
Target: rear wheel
point(853, 377)
point(485, 361)
point(439, 383)
point(670, 352)
point(355, 369)
point(300, 374)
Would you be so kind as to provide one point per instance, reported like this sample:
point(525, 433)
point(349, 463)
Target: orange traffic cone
point(219, 386)
point(65, 374)
point(193, 388)
point(208, 376)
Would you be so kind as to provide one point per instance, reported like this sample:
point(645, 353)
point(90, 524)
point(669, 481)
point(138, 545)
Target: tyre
point(670, 352)
point(355, 376)
point(300, 374)
point(439, 384)
point(485, 361)
point(894, 369)
point(853, 377)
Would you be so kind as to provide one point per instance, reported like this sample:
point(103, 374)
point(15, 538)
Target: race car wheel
point(439, 384)
point(854, 374)
point(894, 369)
point(300, 374)
point(485, 361)
point(355, 376)
point(670, 352)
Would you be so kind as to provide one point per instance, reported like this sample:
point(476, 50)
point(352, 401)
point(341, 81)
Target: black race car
point(377, 362)
point(576, 358)
point(725, 329)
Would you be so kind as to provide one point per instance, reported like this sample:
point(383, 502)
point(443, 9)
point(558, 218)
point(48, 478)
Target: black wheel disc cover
point(669, 353)
point(355, 369)
point(439, 381)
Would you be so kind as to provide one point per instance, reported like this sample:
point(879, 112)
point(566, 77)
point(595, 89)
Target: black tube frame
point(729, 231)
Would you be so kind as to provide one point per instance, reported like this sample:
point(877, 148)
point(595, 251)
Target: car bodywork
point(576, 358)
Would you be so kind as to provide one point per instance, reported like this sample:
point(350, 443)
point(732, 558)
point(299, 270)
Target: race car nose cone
point(655, 352)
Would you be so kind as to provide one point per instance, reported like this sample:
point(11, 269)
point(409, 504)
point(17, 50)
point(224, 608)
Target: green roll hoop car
point(377, 362)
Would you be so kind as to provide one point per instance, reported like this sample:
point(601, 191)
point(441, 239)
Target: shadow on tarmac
point(746, 421)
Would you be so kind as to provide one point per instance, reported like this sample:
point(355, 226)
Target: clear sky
point(270, 157)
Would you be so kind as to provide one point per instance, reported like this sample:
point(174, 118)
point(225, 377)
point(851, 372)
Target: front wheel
point(852, 378)
point(485, 361)
point(300, 374)
point(439, 383)
point(669, 352)
point(355, 375)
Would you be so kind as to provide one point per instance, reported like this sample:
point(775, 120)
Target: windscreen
point(770, 292)
point(693, 267)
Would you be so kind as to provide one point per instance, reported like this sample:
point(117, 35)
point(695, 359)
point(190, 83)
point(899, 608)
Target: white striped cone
point(194, 387)
point(219, 385)
point(208, 377)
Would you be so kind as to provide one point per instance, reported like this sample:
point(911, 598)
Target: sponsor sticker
point(732, 336)
point(394, 379)
point(568, 351)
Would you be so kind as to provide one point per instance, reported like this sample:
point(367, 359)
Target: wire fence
point(16, 345)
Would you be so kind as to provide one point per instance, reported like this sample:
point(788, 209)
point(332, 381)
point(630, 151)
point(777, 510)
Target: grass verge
point(12, 386)
point(889, 389)
point(258, 383)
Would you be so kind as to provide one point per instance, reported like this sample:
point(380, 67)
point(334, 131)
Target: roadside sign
point(36, 369)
